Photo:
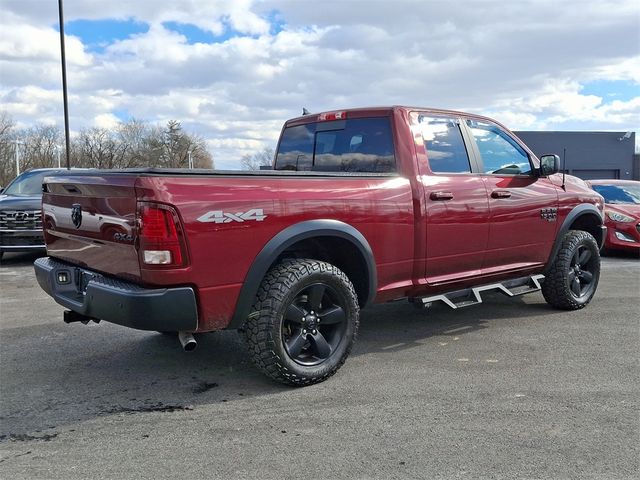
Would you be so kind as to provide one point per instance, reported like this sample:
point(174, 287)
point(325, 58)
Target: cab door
point(523, 206)
point(457, 209)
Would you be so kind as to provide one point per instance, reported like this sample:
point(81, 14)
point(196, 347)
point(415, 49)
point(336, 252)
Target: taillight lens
point(161, 237)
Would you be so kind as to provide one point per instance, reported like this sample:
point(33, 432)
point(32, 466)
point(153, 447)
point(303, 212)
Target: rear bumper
point(116, 301)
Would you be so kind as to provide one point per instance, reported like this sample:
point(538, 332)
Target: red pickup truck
point(361, 206)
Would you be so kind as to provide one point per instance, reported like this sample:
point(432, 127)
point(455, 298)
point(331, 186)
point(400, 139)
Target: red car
point(622, 213)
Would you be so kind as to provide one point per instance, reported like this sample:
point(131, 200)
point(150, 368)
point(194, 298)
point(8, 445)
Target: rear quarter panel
point(221, 253)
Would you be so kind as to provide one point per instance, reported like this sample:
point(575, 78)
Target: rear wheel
point(573, 278)
point(304, 322)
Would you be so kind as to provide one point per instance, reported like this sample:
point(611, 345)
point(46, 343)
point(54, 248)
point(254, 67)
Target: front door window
point(500, 154)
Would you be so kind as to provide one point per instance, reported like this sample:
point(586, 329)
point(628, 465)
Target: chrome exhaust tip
point(187, 341)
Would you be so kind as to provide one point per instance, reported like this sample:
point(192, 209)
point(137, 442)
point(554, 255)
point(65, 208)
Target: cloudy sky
point(233, 71)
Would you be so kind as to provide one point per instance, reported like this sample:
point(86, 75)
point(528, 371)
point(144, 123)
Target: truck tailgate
point(90, 220)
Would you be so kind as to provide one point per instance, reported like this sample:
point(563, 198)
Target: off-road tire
point(556, 289)
point(266, 327)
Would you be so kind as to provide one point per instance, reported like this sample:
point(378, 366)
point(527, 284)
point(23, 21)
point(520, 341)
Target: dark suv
point(21, 211)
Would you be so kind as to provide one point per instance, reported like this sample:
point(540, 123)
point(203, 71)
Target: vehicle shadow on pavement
point(55, 374)
point(65, 374)
point(394, 327)
point(22, 259)
point(621, 254)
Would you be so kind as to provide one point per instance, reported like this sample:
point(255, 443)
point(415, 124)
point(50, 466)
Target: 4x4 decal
point(218, 216)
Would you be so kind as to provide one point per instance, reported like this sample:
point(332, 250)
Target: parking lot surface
point(507, 389)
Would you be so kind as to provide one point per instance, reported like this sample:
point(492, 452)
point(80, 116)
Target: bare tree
point(7, 167)
point(130, 144)
point(134, 138)
point(98, 148)
point(262, 158)
point(40, 146)
point(37, 147)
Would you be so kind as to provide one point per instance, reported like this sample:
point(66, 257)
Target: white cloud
point(105, 120)
point(523, 62)
point(627, 69)
point(208, 15)
point(28, 43)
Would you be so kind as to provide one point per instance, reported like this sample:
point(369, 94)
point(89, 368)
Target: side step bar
point(471, 296)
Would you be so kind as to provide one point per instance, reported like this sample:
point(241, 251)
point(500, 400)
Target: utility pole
point(190, 162)
point(65, 100)
point(17, 153)
point(58, 148)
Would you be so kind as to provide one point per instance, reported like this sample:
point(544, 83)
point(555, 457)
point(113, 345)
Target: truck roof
point(378, 111)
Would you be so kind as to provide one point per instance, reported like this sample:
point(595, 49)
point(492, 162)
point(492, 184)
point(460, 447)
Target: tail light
point(161, 237)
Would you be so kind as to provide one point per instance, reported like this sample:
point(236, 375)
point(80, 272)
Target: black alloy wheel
point(581, 272)
point(572, 279)
point(314, 324)
point(303, 323)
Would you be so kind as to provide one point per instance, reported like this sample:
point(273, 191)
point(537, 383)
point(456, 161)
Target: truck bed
point(378, 205)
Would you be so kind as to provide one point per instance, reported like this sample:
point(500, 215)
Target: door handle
point(500, 194)
point(441, 196)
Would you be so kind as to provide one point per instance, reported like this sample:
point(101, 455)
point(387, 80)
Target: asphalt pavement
point(508, 389)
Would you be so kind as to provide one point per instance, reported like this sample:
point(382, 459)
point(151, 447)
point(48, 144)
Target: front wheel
point(573, 277)
point(303, 323)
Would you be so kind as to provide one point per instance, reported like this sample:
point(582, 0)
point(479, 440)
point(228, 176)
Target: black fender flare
point(283, 240)
point(577, 212)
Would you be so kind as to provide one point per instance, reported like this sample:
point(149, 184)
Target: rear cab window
point(350, 145)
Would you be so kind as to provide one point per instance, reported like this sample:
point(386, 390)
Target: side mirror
point(549, 164)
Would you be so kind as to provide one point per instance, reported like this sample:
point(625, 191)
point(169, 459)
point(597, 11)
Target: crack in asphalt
point(204, 386)
point(23, 437)
point(157, 407)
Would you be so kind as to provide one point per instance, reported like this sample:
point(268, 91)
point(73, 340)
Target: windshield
point(28, 184)
point(619, 193)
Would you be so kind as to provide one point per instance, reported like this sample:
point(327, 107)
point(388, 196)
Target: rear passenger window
point(445, 147)
point(352, 145)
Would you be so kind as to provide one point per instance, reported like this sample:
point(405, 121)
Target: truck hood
point(13, 202)
point(578, 182)
point(573, 184)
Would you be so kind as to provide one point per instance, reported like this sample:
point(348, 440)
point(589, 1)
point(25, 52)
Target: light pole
point(58, 148)
point(17, 153)
point(65, 101)
point(190, 162)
